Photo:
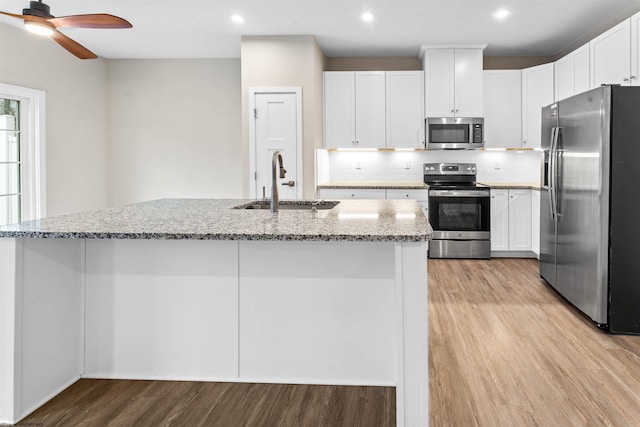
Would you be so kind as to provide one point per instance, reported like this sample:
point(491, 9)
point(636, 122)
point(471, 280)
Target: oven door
point(460, 214)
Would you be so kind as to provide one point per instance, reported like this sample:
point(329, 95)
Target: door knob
point(289, 183)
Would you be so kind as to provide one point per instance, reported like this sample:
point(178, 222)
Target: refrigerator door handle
point(551, 173)
point(556, 170)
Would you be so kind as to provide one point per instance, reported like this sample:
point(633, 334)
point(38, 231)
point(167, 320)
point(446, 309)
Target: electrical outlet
point(358, 165)
point(407, 165)
point(496, 165)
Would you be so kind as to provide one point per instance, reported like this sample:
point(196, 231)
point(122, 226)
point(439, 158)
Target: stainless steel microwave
point(454, 133)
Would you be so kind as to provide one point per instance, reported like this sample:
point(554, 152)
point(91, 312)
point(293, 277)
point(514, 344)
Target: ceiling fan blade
point(72, 46)
point(95, 20)
point(25, 17)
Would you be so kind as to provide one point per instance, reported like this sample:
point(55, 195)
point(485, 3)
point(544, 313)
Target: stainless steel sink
point(304, 205)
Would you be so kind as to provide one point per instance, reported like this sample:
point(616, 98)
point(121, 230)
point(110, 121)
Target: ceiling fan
point(37, 19)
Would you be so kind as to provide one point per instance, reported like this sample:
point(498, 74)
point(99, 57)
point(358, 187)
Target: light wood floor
point(504, 350)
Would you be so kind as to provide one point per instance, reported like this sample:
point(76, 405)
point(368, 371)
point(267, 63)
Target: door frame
point(253, 91)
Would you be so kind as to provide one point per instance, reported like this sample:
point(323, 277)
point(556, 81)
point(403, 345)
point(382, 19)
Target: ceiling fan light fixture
point(39, 28)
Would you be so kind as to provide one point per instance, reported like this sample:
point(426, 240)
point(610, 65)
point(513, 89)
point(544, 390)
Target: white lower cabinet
point(511, 226)
point(351, 193)
point(499, 220)
point(535, 222)
point(421, 195)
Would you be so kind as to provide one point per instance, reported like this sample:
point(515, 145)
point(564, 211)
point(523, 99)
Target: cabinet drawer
point(350, 193)
point(420, 195)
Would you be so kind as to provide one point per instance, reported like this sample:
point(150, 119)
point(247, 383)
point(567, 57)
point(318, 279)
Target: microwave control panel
point(477, 133)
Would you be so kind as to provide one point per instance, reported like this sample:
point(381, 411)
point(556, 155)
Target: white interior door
point(277, 127)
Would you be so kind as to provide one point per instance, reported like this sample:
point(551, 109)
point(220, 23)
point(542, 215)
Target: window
point(9, 161)
point(22, 174)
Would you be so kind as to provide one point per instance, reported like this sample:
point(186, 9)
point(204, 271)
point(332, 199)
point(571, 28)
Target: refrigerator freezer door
point(547, 223)
point(582, 172)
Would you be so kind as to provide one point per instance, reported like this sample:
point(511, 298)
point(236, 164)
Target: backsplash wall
point(493, 166)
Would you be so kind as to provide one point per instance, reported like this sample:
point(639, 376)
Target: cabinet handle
point(353, 143)
point(456, 110)
point(625, 79)
point(451, 111)
point(357, 142)
point(633, 77)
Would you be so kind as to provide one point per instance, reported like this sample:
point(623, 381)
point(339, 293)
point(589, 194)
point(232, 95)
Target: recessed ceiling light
point(501, 14)
point(237, 19)
point(367, 16)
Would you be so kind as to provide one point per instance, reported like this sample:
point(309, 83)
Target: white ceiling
point(203, 29)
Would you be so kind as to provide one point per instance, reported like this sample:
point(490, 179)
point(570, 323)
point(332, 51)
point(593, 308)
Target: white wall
point(493, 166)
point(295, 61)
point(174, 129)
point(76, 137)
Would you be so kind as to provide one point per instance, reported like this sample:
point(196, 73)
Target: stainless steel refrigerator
point(590, 204)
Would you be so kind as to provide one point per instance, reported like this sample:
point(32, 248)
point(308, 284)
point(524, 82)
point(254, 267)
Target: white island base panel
point(306, 312)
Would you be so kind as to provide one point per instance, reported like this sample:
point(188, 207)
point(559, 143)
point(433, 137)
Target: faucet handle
point(283, 171)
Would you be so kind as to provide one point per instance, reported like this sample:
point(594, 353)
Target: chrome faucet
point(275, 200)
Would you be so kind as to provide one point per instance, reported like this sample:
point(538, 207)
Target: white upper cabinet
point(611, 56)
point(405, 109)
point(370, 109)
point(572, 73)
point(453, 82)
point(502, 108)
point(339, 109)
point(537, 92)
point(635, 49)
point(354, 109)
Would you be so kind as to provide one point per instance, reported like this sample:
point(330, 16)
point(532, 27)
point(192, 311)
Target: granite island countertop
point(216, 219)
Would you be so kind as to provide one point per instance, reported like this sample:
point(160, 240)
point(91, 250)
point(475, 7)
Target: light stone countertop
point(215, 219)
point(387, 185)
point(514, 185)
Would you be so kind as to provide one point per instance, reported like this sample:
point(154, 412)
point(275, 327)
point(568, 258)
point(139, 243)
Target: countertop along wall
point(76, 108)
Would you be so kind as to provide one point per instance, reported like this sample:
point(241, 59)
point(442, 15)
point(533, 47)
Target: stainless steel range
point(459, 211)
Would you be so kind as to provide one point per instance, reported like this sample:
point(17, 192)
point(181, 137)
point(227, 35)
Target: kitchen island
point(193, 289)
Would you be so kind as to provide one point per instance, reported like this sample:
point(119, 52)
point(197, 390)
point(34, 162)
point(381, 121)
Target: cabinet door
point(351, 193)
point(499, 220)
point(468, 83)
point(339, 109)
point(419, 195)
point(572, 73)
point(537, 92)
point(611, 56)
point(502, 108)
point(520, 220)
point(635, 49)
point(535, 222)
point(581, 69)
point(439, 82)
point(370, 110)
point(405, 109)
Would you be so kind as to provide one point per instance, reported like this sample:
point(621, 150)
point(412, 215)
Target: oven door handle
point(459, 193)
